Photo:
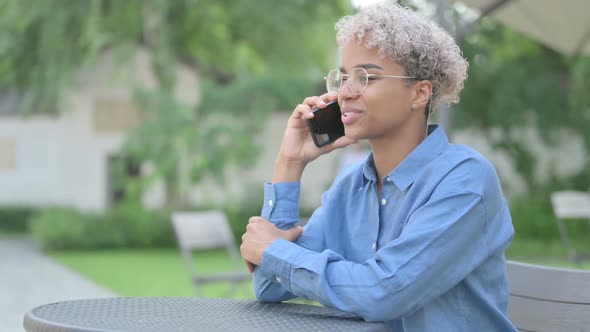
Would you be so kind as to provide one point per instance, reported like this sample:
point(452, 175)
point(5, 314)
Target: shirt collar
point(406, 172)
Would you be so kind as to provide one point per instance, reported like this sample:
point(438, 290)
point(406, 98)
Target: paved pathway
point(29, 279)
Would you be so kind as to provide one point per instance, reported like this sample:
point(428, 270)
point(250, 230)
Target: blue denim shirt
point(426, 256)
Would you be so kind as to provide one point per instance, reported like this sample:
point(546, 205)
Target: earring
point(413, 107)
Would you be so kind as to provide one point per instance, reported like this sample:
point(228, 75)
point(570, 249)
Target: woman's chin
point(354, 133)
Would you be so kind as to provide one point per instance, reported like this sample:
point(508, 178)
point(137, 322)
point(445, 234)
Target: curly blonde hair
point(425, 50)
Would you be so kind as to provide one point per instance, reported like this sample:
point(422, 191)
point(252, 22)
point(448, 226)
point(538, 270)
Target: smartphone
point(326, 125)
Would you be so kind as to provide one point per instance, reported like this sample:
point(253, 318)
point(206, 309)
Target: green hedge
point(532, 217)
point(123, 227)
point(129, 225)
point(15, 219)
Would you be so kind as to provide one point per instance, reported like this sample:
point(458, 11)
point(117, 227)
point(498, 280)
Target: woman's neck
point(390, 151)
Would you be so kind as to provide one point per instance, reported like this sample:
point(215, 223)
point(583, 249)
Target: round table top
point(189, 314)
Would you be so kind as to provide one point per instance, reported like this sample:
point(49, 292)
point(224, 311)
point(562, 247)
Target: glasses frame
point(366, 74)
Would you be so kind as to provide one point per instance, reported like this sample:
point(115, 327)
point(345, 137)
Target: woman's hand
point(298, 148)
point(260, 233)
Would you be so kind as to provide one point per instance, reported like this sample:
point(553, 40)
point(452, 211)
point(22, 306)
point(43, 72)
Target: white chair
point(544, 298)
point(569, 205)
point(206, 230)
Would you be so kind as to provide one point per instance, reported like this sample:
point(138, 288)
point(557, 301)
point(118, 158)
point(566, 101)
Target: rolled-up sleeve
point(442, 242)
point(281, 207)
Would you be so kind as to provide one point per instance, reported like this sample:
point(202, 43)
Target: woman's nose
point(346, 91)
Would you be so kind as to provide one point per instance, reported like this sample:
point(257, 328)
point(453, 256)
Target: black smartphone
point(326, 125)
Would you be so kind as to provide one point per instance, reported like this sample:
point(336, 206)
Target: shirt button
point(374, 246)
point(383, 201)
point(361, 188)
point(278, 279)
point(270, 203)
point(389, 179)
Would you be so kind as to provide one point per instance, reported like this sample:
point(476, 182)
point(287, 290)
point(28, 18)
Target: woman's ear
point(423, 90)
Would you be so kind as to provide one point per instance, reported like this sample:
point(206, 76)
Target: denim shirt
point(428, 255)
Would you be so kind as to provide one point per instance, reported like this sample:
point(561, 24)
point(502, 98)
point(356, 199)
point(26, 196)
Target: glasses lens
point(334, 81)
point(358, 79)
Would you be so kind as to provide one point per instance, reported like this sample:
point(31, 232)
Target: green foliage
point(140, 227)
point(60, 228)
point(516, 83)
point(185, 145)
point(250, 35)
point(579, 98)
point(578, 182)
point(547, 252)
point(257, 53)
point(511, 76)
point(239, 213)
point(123, 227)
point(15, 219)
point(251, 55)
point(533, 218)
point(42, 44)
point(127, 225)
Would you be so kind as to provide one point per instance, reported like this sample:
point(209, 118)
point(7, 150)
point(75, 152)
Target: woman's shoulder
point(466, 169)
point(466, 157)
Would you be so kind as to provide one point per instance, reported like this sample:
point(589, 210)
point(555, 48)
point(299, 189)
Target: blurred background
point(114, 114)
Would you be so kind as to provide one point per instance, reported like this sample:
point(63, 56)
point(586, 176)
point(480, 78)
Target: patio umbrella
point(561, 25)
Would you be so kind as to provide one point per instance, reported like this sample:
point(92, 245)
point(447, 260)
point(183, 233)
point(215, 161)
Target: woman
point(414, 236)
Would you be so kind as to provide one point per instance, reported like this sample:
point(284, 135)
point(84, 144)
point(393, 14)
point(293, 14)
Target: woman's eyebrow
point(365, 66)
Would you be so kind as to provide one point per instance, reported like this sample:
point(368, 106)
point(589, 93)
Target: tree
point(515, 83)
point(253, 56)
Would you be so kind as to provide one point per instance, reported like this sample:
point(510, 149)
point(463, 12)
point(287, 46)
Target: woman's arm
point(286, 208)
point(281, 201)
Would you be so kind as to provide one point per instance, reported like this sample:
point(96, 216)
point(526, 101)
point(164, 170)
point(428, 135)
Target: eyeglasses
point(357, 80)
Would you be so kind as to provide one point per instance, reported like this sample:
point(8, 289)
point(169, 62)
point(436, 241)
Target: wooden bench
point(545, 298)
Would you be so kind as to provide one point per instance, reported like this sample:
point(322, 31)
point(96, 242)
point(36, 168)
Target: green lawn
point(161, 272)
point(149, 272)
point(550, 253)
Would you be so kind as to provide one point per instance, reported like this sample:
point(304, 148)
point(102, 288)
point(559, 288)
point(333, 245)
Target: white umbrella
point(562, 25)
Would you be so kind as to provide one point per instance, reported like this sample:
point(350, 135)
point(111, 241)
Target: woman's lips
point(350, 115)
